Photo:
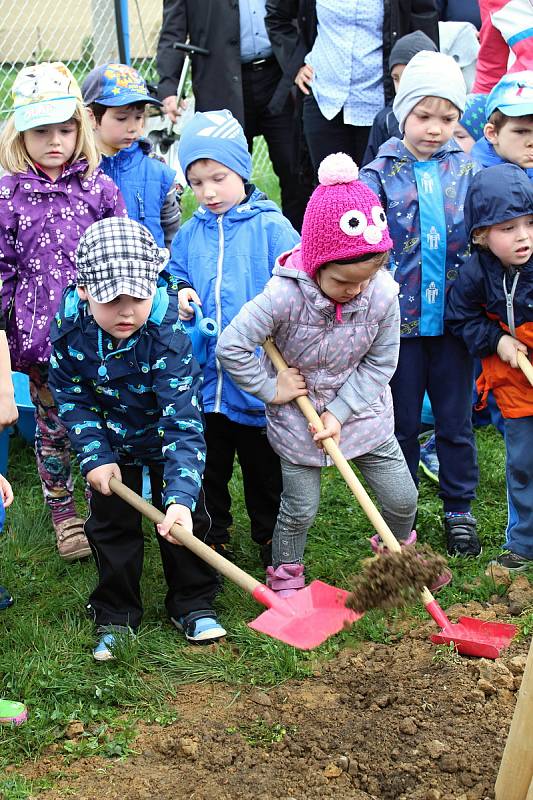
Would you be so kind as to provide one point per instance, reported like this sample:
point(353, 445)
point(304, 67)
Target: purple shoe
point(285, 579)
point(379, 548)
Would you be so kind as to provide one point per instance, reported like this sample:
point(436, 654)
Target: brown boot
point(72, 543)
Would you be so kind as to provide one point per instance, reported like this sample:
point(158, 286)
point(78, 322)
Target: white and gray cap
point(429, 74)
point(117, 256)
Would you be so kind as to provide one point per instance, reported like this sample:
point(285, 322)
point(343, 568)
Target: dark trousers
point(261, 478)
point(258, 86)
point(325, 136)
point(115, 534)
point(441, 366)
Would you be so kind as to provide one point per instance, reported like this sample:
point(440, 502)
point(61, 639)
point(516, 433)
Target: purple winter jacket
point(41, 222)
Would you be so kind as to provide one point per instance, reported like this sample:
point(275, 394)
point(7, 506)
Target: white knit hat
point(429, 75)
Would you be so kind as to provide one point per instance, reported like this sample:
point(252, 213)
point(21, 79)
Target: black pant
point(115, 534)
point(258, 86)
point(325, 136)
point(261, 477)
point(441, 366)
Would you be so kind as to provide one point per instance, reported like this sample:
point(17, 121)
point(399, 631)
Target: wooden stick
point(525, 365)
point(515, 777)
point(181, 535)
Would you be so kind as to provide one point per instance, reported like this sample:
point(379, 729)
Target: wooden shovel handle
point(515, 776)
point(353, 482)
point(525, 365)
point(181, 535)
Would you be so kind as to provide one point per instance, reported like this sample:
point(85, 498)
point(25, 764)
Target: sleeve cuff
point(339, 409)
point(268, 390)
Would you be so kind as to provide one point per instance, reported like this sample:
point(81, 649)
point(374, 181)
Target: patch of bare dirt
point(405, 721)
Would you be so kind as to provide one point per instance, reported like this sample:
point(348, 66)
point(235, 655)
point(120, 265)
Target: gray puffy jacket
point(347, 365)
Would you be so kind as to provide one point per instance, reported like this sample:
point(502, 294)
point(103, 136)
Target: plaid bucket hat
point(119, 256)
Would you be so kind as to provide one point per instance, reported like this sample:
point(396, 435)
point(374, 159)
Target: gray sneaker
point(512, 561)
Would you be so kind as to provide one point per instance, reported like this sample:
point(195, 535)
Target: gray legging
point(385, 471)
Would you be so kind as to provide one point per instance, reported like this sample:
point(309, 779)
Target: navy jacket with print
point(136, 404)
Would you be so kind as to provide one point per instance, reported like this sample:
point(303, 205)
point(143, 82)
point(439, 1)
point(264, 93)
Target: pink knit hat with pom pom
point(343, 219)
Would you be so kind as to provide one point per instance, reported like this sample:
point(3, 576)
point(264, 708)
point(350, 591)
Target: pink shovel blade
point(475, 637)
point(308, 618)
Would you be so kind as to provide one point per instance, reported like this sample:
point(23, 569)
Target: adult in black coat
point(221, 80)
point(292, 27)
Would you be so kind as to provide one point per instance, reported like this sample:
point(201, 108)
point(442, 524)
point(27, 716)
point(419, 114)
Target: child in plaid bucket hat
point(52, 192)
point(332, 310)
point(127, 390)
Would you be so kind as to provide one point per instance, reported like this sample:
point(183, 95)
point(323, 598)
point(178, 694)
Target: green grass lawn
point(46, 660)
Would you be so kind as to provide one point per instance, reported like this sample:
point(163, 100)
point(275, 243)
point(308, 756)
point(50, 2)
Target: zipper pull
point(140, 201)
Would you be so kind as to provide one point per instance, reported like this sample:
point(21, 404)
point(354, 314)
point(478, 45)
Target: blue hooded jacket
point(144, 182)
point(135, 404)
point(227, 259)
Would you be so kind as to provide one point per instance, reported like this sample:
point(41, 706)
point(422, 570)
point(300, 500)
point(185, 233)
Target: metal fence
point(83, 33)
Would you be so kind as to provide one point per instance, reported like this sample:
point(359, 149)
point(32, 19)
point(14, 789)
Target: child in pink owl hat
point(331, 308)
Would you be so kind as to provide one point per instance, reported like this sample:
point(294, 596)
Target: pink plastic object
point(308, 618)
point(472, 637)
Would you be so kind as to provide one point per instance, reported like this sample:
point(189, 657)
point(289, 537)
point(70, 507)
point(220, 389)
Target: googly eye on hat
point(344, 219)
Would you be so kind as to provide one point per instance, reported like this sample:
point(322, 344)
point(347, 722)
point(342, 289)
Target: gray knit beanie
point(429, 75)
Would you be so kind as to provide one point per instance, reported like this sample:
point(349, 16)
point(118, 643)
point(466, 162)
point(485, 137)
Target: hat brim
point(142, 289)
point(512, 109)
point(126, 99)
point(45, 112)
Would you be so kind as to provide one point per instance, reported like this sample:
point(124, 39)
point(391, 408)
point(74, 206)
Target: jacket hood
point(128, 153)
point(289, 265)
point(485, 154)
point(255, 202)
point(497, 194)
point(395, 148)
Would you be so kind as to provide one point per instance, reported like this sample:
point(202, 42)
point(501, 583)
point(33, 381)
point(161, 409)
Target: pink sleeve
point(493, 53)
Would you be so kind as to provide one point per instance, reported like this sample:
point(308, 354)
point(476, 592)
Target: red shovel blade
point(475, 637)
point(308, 618)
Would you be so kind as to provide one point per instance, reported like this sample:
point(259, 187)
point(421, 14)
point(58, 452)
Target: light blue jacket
point(227, 259)
point(144, 182)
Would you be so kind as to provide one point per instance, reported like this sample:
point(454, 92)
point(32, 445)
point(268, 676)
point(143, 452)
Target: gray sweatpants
point(385, 471)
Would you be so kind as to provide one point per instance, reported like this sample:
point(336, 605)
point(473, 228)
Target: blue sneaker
point(5, 598)
point(200, 627)
point(109, 634)
point(429, 462)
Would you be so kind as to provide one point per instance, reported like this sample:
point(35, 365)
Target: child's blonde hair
point(14, 156)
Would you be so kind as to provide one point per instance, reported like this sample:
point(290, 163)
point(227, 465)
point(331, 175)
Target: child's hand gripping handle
point(342, 465)
point(525, 365)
